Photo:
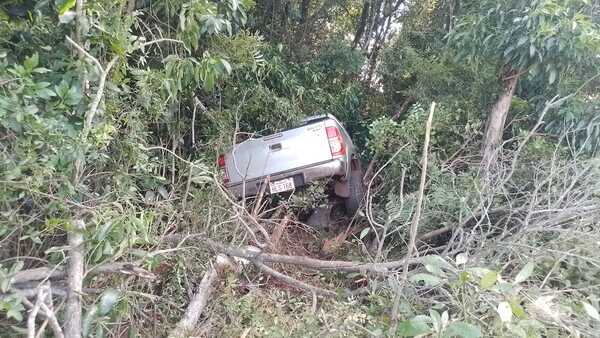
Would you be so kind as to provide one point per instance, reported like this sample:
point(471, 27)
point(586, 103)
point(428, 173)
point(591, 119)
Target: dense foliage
point(112, 114)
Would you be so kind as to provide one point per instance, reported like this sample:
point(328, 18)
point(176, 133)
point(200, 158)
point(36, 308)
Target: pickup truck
point(319, 148)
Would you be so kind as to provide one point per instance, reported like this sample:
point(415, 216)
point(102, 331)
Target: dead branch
point(417, 215)
point(256, 254)
point(49, 314)
point(259, 197)
point(292, 281)
point(75, 280)
point(33, 312)
point(202, 296)
point(197, 304)
point(84, 54)
point(52, 321)
point(414, 226)
point(370, 168)
point(56, 273)
point(279, 230)
point(46, 311)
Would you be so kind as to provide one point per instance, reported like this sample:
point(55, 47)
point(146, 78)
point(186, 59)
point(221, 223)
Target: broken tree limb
point(47, 312)
point(414, 224)
point(255, 254)
point(34, 312)
point(75, 280)
point(292, 281)
point(56, 272)
point(58, 291)
point(201, 297)
point(197, 304)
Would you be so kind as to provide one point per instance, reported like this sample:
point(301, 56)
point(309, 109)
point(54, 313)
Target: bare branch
point(146, 44)
point(86, 54)
point(33, 313)
point(75, 280)
point(56, 272)
point(197, 304)
point(292, 281)
point(202, 296)
point(417, 215)
point(255, 254)
point(91, 113)
point(414, 226)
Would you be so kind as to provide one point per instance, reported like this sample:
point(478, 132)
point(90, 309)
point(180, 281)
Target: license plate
point(281, 185)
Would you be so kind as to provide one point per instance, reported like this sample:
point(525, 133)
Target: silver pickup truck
point(319, 148)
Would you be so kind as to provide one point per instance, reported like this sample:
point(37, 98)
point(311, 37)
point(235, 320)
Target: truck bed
point(271, 155)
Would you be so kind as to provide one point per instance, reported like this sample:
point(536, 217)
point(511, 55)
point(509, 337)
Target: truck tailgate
point(291, 149)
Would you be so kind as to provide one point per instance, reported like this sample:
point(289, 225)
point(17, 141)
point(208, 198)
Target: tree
point(540, 38)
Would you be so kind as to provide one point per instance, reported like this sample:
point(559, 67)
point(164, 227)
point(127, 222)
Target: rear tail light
point(336, 141)
point(222, 167)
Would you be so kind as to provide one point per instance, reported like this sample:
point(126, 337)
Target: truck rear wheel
point(355, 187)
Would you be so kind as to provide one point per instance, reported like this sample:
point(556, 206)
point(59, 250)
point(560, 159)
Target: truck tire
point(356, 188)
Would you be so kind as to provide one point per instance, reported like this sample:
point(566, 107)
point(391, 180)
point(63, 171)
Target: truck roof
point(316, 118)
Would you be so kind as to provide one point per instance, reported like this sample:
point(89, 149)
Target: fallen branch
point(52, 321)
point(75, 280)
point(33, 313)
point(197, 304)
point(256, 254)
point(59, 291)
point(48, 312)
point(292, 281)
point(278, 232)
point(201, 298)
point(56, 273)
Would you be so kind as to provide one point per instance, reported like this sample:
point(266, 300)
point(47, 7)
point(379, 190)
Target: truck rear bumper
point(301, 177)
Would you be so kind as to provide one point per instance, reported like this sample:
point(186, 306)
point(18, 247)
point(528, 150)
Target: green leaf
point(429, 280)
point(435, 269)
point(226, 65)
point(552, 77)
point(67, 5)
point(464, 330)
point(434, 263)
point(525, 273)
point(42, 70)
point(88, 319)
point(14, 308)
point(517, 310)
point(14, 313)
point(45, 93)
point(591, 311)
point(31, 62)
point(109, 298)
point(411, 328)
point(436, 320)
point(488, 280)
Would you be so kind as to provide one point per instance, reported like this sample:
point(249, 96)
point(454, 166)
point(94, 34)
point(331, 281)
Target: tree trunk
point(304, 6)
point(496, 120)
point(362, 22)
